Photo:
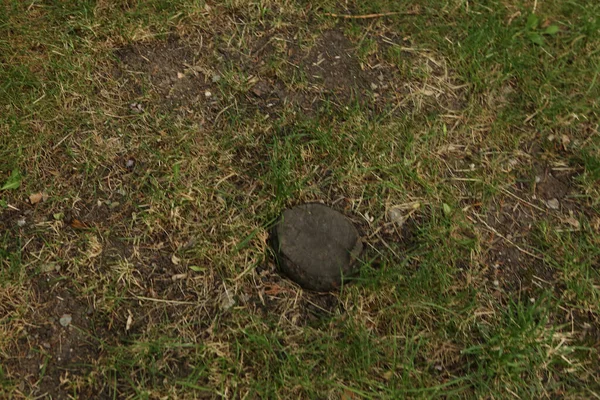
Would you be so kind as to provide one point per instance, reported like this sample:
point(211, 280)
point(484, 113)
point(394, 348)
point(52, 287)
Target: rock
point(553, 204)
point(316, 246)
point(136, 108)
point(65, 320)
point(130, 163)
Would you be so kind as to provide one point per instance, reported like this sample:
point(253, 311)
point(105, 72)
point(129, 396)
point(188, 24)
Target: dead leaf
point(546, 23)
point(77, 224)
point(175, 260)
point(573, 222)
point(274, 290)
point(37, 197)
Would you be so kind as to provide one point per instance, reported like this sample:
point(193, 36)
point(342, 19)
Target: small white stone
point(553, 204)
point(227, 302)
point(207, 94)
point(65, 320)
point(496, 282)
point(395, 216)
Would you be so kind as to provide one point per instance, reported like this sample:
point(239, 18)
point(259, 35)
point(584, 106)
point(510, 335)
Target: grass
point(154, 235)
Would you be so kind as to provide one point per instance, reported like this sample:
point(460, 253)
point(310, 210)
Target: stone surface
point(65, 320)
point(316, 246)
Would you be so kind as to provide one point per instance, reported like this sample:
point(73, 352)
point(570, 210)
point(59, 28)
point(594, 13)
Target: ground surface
point(146, 148)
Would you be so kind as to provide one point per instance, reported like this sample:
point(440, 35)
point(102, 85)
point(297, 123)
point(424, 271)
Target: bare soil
point(168, 74)
point(49, 356)
point(174, 76)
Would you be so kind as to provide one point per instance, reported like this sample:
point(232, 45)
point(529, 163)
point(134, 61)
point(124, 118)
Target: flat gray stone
point(316, 246)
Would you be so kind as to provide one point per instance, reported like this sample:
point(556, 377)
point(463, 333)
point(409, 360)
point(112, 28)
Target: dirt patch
point(9, 220)
point(329, 74)
point(513, 263)
point(514, 271)
point(511, 218)
point(277, 76)
point(51, 357)
point(335, 73)
point(550, 184)
point(332, 68)
point(170, 73)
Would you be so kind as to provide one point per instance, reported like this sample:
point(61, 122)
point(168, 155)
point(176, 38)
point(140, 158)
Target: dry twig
point(369, 16)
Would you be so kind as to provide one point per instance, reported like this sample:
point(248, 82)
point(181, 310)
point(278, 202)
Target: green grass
point(484, 290)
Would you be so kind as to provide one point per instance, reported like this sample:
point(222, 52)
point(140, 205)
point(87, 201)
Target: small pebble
point(553, 204)
point(136, 108)
point(207, 94)
point(395, 216)
point(65, 320)
point(227, 302)
point(496, 282)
